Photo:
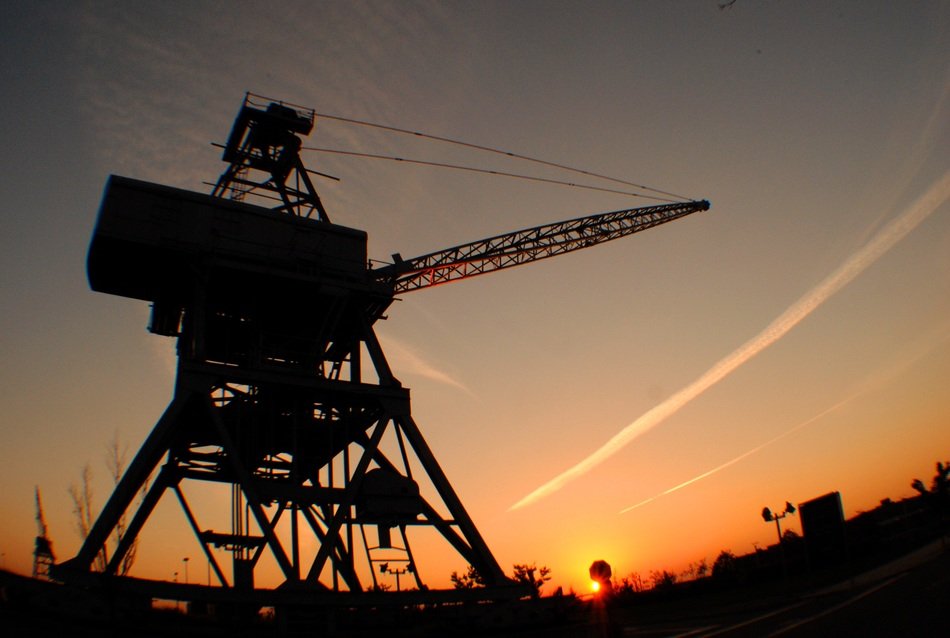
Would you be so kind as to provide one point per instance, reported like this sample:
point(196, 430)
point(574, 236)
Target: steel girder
point(295, 438)
point(530, 244)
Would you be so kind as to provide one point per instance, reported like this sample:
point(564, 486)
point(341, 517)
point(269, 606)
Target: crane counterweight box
point(149, 238)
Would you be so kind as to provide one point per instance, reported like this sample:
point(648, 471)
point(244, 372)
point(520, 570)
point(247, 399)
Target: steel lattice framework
point(283, 392)
point(264, 139)
point(531, 244)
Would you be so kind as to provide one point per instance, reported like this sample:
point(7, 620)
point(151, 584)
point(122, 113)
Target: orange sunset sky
point(819, 281)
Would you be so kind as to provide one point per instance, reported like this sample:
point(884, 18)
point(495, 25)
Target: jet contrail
point(942, 333)
point(877, 246)
point(743, 455)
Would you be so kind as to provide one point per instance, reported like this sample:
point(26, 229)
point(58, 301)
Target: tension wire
point(486, 171)
point(502, 152)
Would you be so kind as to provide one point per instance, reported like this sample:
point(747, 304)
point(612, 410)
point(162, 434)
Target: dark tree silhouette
point(84, 506)
point(695, 570)
point(469, 580)
point(632, 584)
point(939, 485)
point(532, 575)
point(702, 568)
point(725, 566)
point(662, 580)
point(938, 496)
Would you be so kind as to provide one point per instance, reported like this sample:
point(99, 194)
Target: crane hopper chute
point(523, 246)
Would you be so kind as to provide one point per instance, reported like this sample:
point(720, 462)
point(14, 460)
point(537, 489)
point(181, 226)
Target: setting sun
point(640, 400)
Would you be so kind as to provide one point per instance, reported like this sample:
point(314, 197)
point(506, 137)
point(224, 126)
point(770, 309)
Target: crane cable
point(500, 152)
point(483, 170)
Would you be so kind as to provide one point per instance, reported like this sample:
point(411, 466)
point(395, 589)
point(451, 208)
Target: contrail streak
point(743, 455)
point(942, 333)
point(877, 246)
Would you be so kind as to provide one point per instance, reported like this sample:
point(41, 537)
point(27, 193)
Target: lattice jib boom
point(531, 244)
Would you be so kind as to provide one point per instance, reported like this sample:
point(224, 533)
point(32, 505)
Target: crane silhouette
point(283, 392)
point(43, 556)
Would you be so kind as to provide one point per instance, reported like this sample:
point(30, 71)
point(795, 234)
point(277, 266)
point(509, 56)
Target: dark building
point(824, 531)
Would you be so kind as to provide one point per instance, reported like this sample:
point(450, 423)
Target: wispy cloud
point(153, 105)
point(409, 361)
point(877, 246)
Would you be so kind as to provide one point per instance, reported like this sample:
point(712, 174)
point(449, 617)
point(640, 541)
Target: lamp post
point(768, 516)
point(384, 568)
point(185, 561)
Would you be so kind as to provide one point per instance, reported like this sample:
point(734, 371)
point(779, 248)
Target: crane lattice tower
point(283, 393)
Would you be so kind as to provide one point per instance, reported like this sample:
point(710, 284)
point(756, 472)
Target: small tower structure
point(43, 557)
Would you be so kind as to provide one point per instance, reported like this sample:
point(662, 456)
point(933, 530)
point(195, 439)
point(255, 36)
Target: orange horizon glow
point(639, 402)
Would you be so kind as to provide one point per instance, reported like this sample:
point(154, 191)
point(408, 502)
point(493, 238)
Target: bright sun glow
point(595, 586)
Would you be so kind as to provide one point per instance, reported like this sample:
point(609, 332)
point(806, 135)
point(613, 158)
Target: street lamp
point(384, 568)
point(768, 516)
point(185, 561)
